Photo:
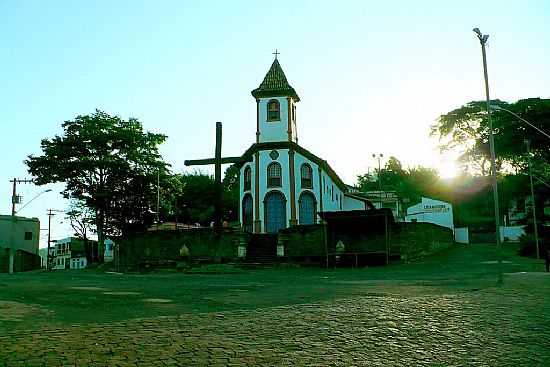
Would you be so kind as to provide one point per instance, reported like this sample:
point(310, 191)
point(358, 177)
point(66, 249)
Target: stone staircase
point(262, 249)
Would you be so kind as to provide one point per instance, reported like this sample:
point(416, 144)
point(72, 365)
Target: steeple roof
point(275, 84)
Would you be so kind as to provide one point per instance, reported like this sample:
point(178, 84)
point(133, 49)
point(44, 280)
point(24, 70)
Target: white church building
point(281, 183)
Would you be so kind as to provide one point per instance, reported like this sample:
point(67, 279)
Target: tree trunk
point(100, 235)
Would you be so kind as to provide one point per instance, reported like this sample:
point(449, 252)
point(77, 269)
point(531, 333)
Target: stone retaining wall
point(158, 246)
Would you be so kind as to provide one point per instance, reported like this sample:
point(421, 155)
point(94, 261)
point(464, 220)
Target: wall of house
point(265, 160)
point(431, 211)
point(353, 204)
point(333, 197)
point(13, 232)
point(78, 262)
point(299, 160)
point(23, 261)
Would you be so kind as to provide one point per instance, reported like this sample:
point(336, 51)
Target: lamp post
point(50, 215)
point(30, 201)
point(498, 108)
point(533, 199)
point(483, 40)
point(380, 155)
point(527, 143)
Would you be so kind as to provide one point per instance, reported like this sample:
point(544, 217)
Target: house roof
point(247, 157)
point(275, 84)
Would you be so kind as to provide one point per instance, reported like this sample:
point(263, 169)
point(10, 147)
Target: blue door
point(275, 212)
point(306, 208)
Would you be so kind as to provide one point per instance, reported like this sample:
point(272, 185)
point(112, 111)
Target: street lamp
point(532, 199)
point(483, 40)
point(30, 201)
point(527, 143)
point(498, 108)
point(380, 156)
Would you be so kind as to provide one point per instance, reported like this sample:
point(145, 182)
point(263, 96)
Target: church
point(281, 183)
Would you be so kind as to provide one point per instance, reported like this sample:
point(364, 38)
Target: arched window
point(273, 110)
point(307, 208)
point(247, 213)
point(274, 175)
point(247, 178)
point(306, 174)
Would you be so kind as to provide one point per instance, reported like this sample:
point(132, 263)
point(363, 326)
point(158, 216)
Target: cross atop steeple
point(276, 53)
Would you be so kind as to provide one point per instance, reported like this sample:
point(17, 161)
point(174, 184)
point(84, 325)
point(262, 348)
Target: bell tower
point(275, 107)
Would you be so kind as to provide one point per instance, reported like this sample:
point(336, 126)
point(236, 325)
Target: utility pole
point(14, 200)
point(380, 155)
point(158, 199)
point(527, 143)
point(50, 215)
point(483, 40)
point(379, 178)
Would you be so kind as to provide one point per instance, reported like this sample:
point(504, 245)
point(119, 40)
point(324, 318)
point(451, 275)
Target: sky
point(372, 76)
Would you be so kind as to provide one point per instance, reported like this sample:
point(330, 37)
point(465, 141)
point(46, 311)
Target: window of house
point(247, 178)
point(273, 110)
point(332, 192)
point(28, 236)
point(306, 174)
point(274, 175)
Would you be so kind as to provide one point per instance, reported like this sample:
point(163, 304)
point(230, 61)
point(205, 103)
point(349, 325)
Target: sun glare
point(448, 169)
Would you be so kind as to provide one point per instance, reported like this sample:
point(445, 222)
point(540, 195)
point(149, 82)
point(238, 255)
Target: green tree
point(467, 129)
point(411, 184)
point(196, 196)
point(107, 163)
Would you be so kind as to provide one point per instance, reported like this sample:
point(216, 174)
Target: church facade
point(281, 183)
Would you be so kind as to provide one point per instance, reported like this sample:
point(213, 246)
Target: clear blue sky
point(372, 76)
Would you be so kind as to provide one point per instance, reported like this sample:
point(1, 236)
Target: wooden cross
point(276, 53)
point(217, 161)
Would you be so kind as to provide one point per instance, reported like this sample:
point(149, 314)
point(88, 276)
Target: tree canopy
point(467, 129)
point(190, 197)
point(410, 184)
point(107, 163)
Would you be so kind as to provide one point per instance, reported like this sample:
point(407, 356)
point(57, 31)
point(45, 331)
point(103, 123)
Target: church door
point(307, 208)
point(247, 213)
point(275, 212)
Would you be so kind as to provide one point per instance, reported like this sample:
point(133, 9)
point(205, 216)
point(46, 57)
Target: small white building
point(386, 199)
point(431, 211)
point(282, 183)
point(70, 253)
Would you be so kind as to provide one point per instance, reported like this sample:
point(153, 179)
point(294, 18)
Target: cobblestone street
point(443, 311)
point(508, 326)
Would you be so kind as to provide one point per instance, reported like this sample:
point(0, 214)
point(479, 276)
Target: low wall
point(461, 235)
point(410, 241)
point(418, 240)
point(165, 246)
point(303, 241)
